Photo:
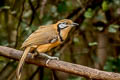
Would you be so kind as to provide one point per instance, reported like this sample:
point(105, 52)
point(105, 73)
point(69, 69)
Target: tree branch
point(61, 65)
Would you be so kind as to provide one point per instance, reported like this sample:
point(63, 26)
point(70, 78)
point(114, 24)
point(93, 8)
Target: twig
point(33, 75)
point(61, 65)
point(33, 11)
point(54, 75)
point(18, 26)
point(41, 73)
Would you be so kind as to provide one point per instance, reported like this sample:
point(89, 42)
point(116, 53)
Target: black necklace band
point(58, 29)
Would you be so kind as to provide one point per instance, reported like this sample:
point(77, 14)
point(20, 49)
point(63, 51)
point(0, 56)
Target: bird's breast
point(64, 33)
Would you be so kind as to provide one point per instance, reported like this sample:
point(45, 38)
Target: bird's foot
point(51, 58)
point(43, 55)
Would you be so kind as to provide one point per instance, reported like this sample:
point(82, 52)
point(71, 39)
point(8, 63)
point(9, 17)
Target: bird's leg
point(47, 56)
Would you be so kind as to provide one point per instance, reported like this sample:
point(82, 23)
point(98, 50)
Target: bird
point(44, 39)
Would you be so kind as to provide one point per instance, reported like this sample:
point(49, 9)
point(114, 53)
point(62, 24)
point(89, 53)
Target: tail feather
point(21, 63)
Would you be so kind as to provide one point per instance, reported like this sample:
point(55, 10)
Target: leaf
point(5, 7)
point(92, 44)
point(105, 5)
point(76, 40)
point(88, 13)
point(113, 28)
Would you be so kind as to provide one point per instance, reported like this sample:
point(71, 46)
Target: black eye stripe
point(59, 29)
point(65, 23)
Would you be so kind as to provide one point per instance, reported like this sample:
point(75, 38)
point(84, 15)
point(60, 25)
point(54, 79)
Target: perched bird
point(44, 39)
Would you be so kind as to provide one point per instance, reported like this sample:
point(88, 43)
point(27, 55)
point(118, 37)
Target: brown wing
point(41, 36)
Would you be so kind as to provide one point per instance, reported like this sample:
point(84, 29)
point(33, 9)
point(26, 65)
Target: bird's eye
point(63, 23)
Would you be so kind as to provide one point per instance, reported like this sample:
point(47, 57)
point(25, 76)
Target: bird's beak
point(74, 24)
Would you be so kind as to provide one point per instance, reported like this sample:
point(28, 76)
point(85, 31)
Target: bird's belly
point(46, 47)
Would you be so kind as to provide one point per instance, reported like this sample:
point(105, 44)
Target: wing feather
point(41, 36)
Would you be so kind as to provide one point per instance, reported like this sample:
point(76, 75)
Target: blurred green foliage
point(88, 13)
point(112, 64)
point(105, 6)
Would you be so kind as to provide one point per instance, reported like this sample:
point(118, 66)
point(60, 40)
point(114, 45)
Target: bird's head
point(64, 26)
point(66, 23)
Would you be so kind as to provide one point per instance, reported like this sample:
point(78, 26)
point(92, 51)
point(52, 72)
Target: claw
point(47, 56)
point(47, 62)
